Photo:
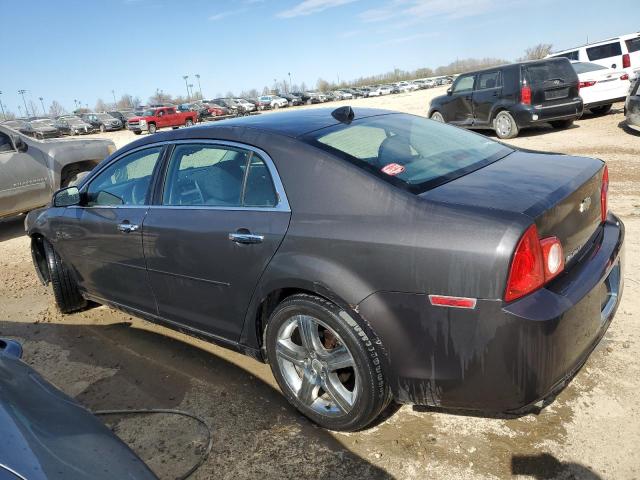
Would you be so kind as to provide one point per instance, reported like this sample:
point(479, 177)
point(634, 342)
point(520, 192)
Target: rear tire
point(561, 124)
point(65, 288)
point(336, 377)
point(601, 110)
point(102, 128)
point(505, 126)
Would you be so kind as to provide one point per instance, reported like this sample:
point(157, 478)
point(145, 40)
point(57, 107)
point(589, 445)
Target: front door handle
point(245, 237)
point(128, 227)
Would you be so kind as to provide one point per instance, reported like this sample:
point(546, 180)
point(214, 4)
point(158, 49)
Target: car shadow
point(623, 125)
point(256, 432)
point(547, 467)
point(11, 227)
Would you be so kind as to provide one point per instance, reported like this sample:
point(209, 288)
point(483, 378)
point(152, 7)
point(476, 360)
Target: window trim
point(459, 79)
point(162, 165)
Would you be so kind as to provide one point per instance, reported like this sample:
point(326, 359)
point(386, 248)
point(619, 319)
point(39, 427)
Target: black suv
point(510, 97)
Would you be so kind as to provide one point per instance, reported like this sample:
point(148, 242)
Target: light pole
point(199, 86)
point(4, 115)
point(20, 110)
point(191, 88)
point(75, 102)
point(290, 84)
point(44, 112)
point(186, 84)
point(115, 103)
point(26, 110)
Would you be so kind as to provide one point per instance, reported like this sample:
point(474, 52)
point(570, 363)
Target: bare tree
point(34, 109)
point(9, 115)
point(229, 94)
point(322, 85)
point(124, 102)
point(55, 110)
point(100, 106)
point(537, 52)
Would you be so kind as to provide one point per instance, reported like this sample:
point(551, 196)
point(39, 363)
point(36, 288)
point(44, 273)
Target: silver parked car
point(31, 170)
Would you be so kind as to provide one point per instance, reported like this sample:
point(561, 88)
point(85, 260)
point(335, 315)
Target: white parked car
point(381, 90)
point(601, 86)
point(621, 52)
point(274, 101)
point(342, 95)
point(248, 106)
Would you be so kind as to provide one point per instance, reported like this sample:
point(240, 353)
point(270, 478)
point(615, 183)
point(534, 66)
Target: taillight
point(624, 76)
point(604, 193)
point(525, 95)
point(534, 263)
point(587, 84)
point(626, 61)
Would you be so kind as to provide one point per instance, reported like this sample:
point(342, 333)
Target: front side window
point(489, 80)
point(410, 152)
point(464, 84)
point(604, 51)
point(5, 143)
point(217, 176)
point(124, 182)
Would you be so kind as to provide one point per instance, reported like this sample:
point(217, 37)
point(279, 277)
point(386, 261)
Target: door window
point(633, 45)
point(5, 143)
point(209, 175)
point(126, 181)
point(604, 51)
point(489, 80)
point(464, 84)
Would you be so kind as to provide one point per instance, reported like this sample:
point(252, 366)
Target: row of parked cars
point(86, 123)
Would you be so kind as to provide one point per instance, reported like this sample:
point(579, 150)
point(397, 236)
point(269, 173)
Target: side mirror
point(449, 91)
point(66, 197)
point(20, 145)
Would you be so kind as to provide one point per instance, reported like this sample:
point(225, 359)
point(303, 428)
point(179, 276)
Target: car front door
point(487, 93)
point(220, 219)
point(459, 108)
point(24, 177)
point(102, 237)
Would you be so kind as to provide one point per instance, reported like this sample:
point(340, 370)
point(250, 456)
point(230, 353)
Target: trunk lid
point(553, 81)
point(560, 193)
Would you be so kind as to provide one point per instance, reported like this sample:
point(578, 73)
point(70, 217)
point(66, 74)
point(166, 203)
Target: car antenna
point(343, 114)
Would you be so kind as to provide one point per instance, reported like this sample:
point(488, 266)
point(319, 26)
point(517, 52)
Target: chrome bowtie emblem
point(585, 205)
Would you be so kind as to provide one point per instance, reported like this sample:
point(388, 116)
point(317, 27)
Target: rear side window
point(210, 175)
point(489, 80)
point(604, 51)
point(574, 55)
point(410, 152)
point(633, 45)
point(541, 72)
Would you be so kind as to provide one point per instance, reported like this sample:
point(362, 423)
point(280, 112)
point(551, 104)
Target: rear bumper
point(529, 115)
point(500, 357)
point(600, 103)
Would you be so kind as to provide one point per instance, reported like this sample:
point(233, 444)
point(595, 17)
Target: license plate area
point(556, 94)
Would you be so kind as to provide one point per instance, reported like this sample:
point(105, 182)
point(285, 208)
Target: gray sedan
point(366, 255)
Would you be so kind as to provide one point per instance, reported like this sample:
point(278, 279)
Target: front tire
point(505, 126)
point(562, 124)
point(437, 117)
point(65, 288)
point(152, 128)
point(102, 128)
point(327, 365)
point(188, 123)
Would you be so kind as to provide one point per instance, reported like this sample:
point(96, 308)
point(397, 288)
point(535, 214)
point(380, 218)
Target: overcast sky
point(67, 49)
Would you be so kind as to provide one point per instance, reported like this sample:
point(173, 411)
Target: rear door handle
point(128, 227)
point(247, 238)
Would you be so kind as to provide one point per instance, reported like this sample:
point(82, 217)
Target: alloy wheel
point(317, 366)
point(437, 117)
point(503, 125)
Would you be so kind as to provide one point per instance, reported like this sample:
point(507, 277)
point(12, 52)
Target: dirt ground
point(107, 359)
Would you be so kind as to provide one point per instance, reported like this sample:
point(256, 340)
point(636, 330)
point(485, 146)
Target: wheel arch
point(39, 258)
point(71, 169)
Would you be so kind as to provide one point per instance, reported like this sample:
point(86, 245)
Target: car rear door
point(486, 94)
point(459, 109)
point(554, 86)
point(102, 237)
point(221, 217)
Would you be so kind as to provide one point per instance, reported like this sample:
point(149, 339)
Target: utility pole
point(26, 110)
point(290, 84)
point(4, 115)
point(186, 84)
point(44, 112)
point(75, 102)
point(20, 110)
point(199, 86)
point(115, 103)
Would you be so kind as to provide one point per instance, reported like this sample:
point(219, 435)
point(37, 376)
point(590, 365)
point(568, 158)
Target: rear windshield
point(633, 45)
point(539, 73)
point(604, 51)
point(411, 152)
point(584, 67)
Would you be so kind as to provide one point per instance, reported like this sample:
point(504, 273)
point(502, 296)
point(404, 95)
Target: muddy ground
point(107, 359)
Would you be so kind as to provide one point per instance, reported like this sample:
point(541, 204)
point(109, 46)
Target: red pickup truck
point(161, 117)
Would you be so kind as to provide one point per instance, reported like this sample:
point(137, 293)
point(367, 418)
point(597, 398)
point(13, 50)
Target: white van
point(622, 52)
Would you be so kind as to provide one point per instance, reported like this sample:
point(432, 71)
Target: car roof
point(293, 123)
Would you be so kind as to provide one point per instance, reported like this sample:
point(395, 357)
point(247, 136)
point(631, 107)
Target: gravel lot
point(107, 359)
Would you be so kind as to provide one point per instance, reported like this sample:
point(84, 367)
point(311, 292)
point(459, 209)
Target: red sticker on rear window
point(393, 169)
